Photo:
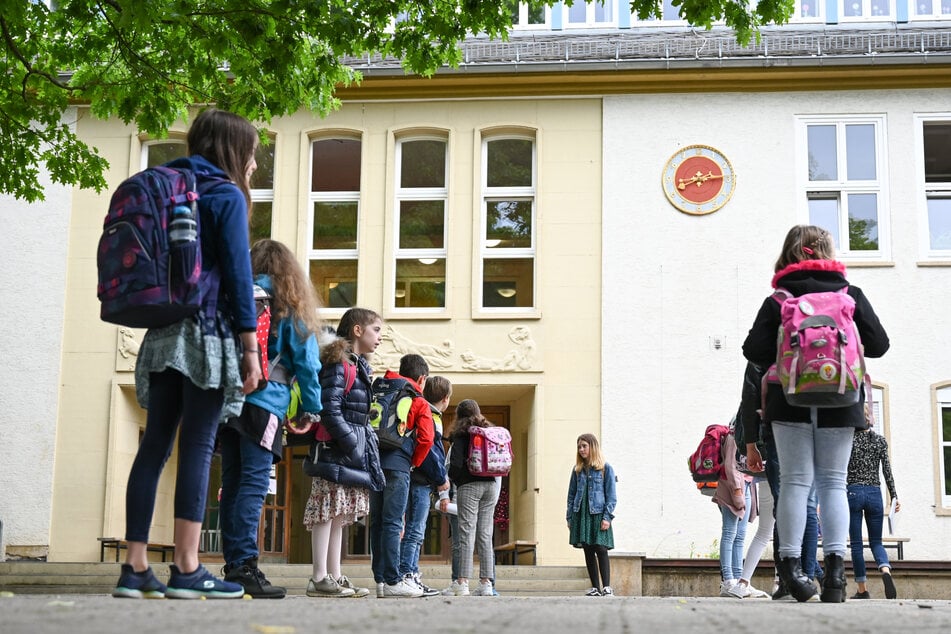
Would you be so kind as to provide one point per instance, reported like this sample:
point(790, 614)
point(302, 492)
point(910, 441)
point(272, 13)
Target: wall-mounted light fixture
point(400, 293)
point(427, 261)
point(507, 293)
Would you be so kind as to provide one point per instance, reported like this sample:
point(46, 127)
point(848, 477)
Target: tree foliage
point(146, 62)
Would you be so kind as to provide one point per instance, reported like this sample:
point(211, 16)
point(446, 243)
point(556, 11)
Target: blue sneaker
point(200, 583)
point(138, 585)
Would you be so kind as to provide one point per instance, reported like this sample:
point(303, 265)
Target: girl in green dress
point(592, 497)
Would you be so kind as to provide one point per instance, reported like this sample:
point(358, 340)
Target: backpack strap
point(349, 376)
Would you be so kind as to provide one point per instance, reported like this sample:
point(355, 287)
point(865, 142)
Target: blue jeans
point(417, 513)
point(810, 536)
point(812, 456)
point(866, 500)
point(386, 524)
point(245, 475)
point(733, 538)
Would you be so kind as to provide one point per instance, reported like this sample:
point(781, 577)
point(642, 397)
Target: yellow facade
point(552, 396)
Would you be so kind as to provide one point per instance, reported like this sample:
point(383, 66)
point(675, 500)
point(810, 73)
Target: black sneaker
point(890, 591)
point(781, 593)
point(138, 585)
point(861, 595)
point(250, 577)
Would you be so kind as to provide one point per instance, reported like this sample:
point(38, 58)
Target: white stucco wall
point(33, 285)
point(673, 281)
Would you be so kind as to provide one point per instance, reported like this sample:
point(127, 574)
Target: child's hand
point(605, 525)
point(444, 486)
point(443, 505)
point(251, 374)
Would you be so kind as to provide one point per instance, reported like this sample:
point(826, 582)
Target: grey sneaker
point(484, 589)
point(357, 592)
point(379, 590)
point(456, 589)
point(328, 588)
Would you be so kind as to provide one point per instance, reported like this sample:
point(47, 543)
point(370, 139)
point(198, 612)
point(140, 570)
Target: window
point(530, 15)
point(669, 12)
point(931, 9)
point(591, 13)
point(808, 11)
point(936, 153)
point(863, 9)
point(508, 224)
point(262, 181)
point(335, 211)
point(942, 400)
point(845, 182)
point(262, 192)
point(420, 226)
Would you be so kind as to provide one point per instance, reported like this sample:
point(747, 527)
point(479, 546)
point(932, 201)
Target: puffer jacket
point(811, 276)
point(602, 494)
point(353, 456)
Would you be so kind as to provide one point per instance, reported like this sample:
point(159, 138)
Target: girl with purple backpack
point(813, 443)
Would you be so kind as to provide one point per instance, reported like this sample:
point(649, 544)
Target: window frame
point(522, 23)
point(337, 196)
point(590, 15)
point(401, 194)
point(867, 12)
point(842, 187)
point(483, 252)
point(940, 398)
point(819, 18)
point(923, 188)
point(937, 14)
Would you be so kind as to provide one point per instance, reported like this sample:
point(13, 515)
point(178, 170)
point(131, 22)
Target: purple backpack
point(149, 258)
point(819, 360)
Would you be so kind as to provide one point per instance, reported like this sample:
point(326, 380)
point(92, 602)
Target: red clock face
point(698, 179)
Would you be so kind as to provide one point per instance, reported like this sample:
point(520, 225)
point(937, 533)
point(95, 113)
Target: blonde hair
point(294, 295)
point(806, 242)
point(595, 459)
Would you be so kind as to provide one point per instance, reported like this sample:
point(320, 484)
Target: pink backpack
point(819, 360)
point(706, 462)
point(490, 451)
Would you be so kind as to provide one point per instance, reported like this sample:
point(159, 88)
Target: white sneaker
point(756, 593)
point(401, 590)
point(738, 591)
point(607, 591)
point(484, 589)
point(379, 590)
point(592, 592)
point(725, 587)
point(456, 589)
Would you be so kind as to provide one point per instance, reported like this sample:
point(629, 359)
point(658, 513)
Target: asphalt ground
point(102, 614)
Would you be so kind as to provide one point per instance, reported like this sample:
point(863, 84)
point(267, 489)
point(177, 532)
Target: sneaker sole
point(331, 596)
point(182, 593)
point(129, 593)
point(890, 591)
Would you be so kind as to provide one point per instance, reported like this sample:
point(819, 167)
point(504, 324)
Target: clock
point(698, 179)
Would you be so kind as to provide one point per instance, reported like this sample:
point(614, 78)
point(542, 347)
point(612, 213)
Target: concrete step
point(100, 578)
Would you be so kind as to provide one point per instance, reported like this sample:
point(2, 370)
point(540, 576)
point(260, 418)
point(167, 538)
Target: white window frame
point(492, 253)
point(333, 197)
point(941, 398)
point(936, 13)
point(419, 193)
point(842, 186)
point(797, 16)
point(926, 190)
point(590, 13)
point(521, 24)
point(866, 12)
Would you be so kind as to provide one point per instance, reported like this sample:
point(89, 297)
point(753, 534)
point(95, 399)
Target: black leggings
point(595, 558)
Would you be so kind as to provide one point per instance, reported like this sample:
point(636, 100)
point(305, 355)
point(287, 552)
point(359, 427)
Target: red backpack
point(706, 463)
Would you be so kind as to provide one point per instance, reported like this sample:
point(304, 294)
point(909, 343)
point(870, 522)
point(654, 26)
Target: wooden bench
point(890, 542)
point(509, 552)
point(166, 550)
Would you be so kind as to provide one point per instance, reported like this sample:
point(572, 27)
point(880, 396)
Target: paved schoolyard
point(101, 614)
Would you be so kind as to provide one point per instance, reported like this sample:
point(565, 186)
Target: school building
point(518, 222)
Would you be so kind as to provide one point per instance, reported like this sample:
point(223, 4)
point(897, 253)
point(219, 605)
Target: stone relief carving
point(127, 349)
point(443, 357)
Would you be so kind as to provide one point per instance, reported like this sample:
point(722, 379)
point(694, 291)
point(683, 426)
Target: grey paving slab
point(101, 614)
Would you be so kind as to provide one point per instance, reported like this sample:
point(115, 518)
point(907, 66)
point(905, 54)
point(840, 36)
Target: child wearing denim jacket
point(592, 498)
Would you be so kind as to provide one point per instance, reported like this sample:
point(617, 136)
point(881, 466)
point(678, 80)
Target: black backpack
point(392, 400)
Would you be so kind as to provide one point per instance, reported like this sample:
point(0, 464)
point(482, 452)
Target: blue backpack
point(389, 413)
point(149, 257)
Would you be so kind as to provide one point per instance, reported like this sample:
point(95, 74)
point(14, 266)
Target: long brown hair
point(468, 414)
point(806, 242)
point(227, 141)
point(355, 317)
point(595, 459)
point(294, 295)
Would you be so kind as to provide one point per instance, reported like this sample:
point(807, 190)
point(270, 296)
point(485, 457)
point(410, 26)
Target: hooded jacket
point(353, 457)
point(811, 276)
